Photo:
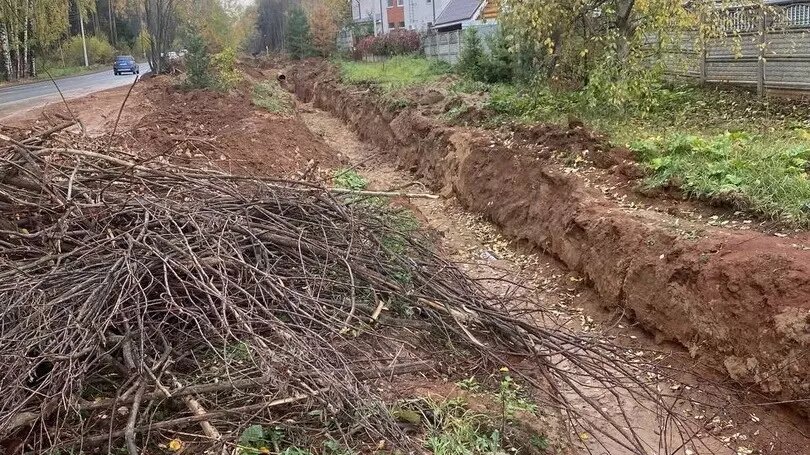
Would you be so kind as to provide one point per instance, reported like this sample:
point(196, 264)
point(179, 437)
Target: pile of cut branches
point(140, 300)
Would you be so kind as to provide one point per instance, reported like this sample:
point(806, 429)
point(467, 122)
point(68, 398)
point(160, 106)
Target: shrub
point(395, 42)
point(224, 64)
point(472, 57)
point(198, 63)
point(494, 66)
point(501, 62)
point(364, 47)
point(98, 51)
point(402, 42)
point(141, 45)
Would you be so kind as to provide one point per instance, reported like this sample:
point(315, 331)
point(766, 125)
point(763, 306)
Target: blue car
point(125, 64)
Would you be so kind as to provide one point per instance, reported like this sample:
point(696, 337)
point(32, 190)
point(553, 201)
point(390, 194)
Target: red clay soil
point(197, 127)
point(224, 129)
point(740, 299)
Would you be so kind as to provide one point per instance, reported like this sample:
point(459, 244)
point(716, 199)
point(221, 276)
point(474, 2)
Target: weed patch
point(349, 179)
point(759, 172)
point(460, 427)
point(271, 97)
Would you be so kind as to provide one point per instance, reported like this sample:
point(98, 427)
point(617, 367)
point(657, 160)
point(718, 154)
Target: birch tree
point(5, 50)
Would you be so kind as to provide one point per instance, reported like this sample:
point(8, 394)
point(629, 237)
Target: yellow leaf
point(175, 445)
point(264, 450)
point(504, 370)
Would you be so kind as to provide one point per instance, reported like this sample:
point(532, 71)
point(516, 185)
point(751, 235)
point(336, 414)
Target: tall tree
point(5, 50)
point(609, 38)
point(299, 37)
point(326, 17)
point(271, 23)
point(161, 22)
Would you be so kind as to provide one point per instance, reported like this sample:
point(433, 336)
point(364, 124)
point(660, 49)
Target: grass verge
point(73, 70)
point(719, 145)
point(60, 72)
point(394, 73)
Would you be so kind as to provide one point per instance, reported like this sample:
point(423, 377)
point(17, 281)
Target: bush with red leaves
point(395, 42)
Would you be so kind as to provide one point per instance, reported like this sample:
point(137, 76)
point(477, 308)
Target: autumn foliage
point(326, 17)
point(395, 42)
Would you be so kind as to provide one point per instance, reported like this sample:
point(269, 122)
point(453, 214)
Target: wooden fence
point(764, 48)
point(767, 49)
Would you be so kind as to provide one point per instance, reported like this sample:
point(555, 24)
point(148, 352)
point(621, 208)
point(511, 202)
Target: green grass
point(454, 429)
point(723, 146)
point(272, 98)
point(59, 72)
point(349, 179)
point(73, 70)
point(394, 73)
point(763, 173)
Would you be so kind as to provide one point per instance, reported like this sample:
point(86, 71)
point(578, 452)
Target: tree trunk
point(114, 23)
point(84, 39)
point(27, 26)
point(110, 17)
point(625, 29)
point(15, 44)
point(32, 26)
point(5, 48)
point(557, 42)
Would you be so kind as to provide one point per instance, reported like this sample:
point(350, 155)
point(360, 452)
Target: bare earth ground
point(192, 127)
point(485, 254)
point(226, 130)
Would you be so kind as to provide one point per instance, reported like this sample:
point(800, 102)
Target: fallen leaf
point(175, 445)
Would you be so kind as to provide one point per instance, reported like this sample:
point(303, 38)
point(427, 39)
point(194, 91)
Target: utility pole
point(84, 40)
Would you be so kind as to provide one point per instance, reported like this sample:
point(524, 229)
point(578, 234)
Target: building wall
point(419, 14)
point(395, 15)
point(416, 14)
point(491, 10)
point(363, 10)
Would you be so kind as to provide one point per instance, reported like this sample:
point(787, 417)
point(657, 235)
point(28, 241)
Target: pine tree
point(472, 57)
point(299, 38)
point(198, 63)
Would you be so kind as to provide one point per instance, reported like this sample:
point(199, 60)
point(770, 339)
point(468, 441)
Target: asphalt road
point(18, 98)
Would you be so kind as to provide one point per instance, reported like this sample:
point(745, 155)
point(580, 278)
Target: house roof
point(457, 11)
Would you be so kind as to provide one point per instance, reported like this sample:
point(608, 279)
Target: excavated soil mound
point(227, 130)
point(740, 299)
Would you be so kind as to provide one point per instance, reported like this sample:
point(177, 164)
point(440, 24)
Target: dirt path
point(730, 423)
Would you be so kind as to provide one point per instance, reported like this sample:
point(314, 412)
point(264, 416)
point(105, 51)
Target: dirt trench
point(738, 300)
point(723, 422)
point(399, 147)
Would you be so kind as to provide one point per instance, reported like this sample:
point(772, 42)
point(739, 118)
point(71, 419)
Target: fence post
point(703, 55)
point(761, 60)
